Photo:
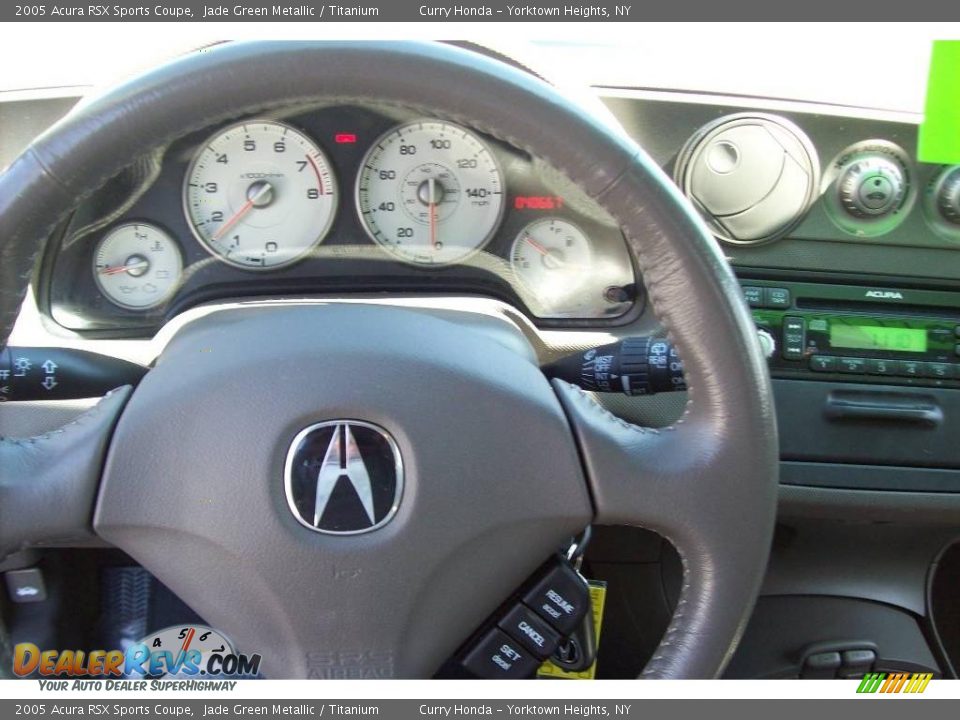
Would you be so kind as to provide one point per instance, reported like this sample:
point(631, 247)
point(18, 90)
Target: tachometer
point(430, 193)
point(260, 195)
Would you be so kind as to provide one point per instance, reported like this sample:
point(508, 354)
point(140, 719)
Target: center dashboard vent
point(752, 176)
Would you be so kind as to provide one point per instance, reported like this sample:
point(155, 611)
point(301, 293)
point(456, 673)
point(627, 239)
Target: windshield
point(814, 62)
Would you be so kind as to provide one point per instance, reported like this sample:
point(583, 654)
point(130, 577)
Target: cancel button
point(526, 627)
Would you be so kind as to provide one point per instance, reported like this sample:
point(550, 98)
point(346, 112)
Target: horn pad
point(491, 483)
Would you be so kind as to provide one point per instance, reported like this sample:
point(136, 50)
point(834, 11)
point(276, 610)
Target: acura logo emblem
point(343, 477)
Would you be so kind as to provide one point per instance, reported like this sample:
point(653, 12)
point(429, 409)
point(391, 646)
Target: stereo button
point(794, 338)
point(940, 371)
point(777, 298)
point(823, 363)
point(753, 295)
point(911, 368)
point(883, 367)
point(853, 365)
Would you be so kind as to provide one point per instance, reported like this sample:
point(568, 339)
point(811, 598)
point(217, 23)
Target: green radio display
point(876, 337)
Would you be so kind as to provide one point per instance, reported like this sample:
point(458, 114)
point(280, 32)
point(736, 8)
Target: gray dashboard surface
point(662, 123)
point(22, 120)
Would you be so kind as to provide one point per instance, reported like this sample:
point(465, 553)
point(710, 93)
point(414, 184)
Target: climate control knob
point(871, 187)
point(948, 199)
point(941, 202)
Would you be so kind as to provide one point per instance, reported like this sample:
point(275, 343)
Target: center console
point(862, 334)
point(875, 407)
point(847, 248)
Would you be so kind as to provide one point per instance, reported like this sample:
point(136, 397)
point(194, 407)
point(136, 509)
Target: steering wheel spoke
point(48, 484)
point(683, 483)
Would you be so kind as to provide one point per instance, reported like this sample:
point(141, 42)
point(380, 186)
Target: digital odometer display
point(876, 337)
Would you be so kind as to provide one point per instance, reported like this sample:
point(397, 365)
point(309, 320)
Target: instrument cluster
point(337, 200)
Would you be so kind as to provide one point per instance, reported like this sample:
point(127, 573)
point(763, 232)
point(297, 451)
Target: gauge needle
point(244, 209)
point(117, 269)
point(536, 246)
point(548, 256)
point(551, 260)
point(431, 187)
point(187, 640)
point(186, 644)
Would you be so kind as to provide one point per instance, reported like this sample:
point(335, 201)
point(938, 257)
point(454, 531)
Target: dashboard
point(369, 200)
point(846, 245)
point(846, 248)
point(336, 199)
point(804, 186)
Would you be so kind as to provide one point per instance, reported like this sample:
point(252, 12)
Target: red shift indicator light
point(537, 202)
point(345, 138)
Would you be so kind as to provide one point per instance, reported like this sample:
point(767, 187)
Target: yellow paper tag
point(598, 595)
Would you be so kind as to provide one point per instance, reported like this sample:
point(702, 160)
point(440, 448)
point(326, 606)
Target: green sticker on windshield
point(939, 140)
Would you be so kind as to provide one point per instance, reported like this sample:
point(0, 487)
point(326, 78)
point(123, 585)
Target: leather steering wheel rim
point(708, 483)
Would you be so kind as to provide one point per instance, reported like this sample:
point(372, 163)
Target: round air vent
point(752, 176)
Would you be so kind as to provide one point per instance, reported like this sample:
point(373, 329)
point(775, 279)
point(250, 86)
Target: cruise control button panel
point(498, 656)
point(531, 631)
point(540, 617)
point(561, 598)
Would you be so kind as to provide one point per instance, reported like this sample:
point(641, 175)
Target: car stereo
point(857, 333)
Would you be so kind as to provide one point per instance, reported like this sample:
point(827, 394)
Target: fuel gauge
point(553, 259)
point(137, 266)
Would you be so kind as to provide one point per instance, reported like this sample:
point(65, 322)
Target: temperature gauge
point(553, 260)
point(137, 266)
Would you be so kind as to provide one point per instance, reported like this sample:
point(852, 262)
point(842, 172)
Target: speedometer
point(260, 195)
point(430, 193)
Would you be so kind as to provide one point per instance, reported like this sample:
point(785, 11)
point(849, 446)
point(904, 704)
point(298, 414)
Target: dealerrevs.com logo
point(180, 651)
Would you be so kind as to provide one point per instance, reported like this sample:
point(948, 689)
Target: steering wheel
point(185, 472)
